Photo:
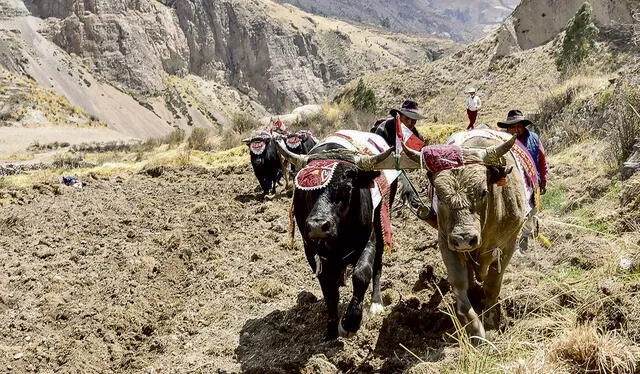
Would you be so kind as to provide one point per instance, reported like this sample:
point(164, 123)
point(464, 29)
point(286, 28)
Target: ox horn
point(412, 154)
point(370, 162)
point(489, 156)
point(386, 161)
point(299, 161)
point(494, 154)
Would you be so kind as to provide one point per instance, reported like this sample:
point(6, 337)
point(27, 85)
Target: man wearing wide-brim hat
point(473, 105)
point(408, 115)
point(516, 124)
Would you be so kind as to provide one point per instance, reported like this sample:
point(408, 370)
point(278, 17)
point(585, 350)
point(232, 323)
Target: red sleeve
point(542, 163)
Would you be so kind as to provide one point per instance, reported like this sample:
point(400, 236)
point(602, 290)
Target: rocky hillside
point(513, 67)
point(277, 56)
point(146, 67)
point(460, 20)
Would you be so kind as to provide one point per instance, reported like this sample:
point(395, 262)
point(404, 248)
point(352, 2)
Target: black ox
point(267, 164)
point(300, 142)
point(339, 228)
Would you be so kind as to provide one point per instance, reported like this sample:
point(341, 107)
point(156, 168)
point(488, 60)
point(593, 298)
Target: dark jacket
point(387, 129)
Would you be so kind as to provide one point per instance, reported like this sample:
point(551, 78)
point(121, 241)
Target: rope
point(415, 191)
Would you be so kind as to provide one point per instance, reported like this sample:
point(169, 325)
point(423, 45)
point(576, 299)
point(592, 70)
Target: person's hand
point(543, 187)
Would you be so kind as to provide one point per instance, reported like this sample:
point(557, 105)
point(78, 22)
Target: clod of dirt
point(389, 297)
point(608, 313)
point(173, 241)
point(306, 298)
point(199, 208)
point(268, 288)
point(153, 171)
point(426, 279)
point(319, 364)
point(424, 368)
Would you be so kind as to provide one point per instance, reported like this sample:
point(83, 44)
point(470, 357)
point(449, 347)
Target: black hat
point(409, 108)
point(514, 116)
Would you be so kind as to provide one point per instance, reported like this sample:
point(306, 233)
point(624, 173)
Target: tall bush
point(199, 139)
point(579, 39)
point(364, 98)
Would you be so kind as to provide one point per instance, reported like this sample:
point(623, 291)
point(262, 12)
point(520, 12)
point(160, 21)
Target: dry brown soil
point(189, 271)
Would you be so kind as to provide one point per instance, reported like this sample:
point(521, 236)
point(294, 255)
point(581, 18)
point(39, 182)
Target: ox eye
point(484, 194)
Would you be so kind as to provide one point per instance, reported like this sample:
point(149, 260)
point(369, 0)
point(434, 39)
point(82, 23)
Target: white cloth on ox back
point(460, 137)
point(366, 143)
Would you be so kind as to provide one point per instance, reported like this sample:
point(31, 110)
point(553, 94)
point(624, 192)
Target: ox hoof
point(376, 308)
point(344, 333)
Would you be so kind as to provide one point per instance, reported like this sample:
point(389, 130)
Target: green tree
point(364, 98)
point(579, 39)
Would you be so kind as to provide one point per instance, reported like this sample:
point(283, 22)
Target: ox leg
point(286, 173)
point(458, 276)
point(376, 299)
point(329, 284)
point(492, 286)
point(361, 278)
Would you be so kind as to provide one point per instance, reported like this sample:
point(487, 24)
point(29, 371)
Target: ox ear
point(246, 141)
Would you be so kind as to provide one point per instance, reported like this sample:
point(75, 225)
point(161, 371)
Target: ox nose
point(464, 242)
point(319, 228)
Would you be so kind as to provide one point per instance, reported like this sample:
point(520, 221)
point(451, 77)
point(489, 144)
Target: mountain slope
point(513, 67)
point(460, 20)
point(278, 56)
point(146, 67)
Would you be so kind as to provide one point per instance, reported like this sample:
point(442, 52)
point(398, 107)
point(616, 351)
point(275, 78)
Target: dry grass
point(32, 105)
point(105, 165)
point(584, 349)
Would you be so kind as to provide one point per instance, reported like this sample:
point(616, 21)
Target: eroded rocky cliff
point(274, 54)
point(460, 20)
point(536, 22)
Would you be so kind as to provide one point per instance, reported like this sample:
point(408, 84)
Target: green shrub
point(175, 137)
point(364, 99)
point(622, 118)
point(68, 160)
point(579, 39)
point(230, 139)
point(243, 123)
point(199, 139)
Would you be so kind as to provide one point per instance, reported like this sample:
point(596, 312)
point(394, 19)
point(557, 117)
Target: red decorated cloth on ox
point(440, 157)
point(295, 140)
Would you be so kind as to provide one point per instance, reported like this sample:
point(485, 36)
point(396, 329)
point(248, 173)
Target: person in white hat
point(472, 104)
